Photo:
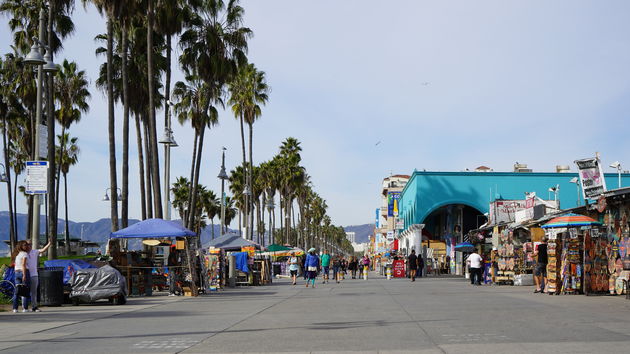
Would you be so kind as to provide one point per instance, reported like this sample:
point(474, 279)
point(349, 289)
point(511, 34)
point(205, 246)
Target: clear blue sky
point(443, 85)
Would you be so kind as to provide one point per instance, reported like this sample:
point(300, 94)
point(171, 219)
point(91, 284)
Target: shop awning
point(231, 242)
point(153, 228)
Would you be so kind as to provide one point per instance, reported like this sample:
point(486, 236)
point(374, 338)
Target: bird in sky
point(377, 143)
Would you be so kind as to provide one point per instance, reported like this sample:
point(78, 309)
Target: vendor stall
point(140, 267)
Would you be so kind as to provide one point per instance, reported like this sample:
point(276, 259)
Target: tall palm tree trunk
point(192, 177)
point(154, 157)
point(50, 122)
point(67, 231)
point(195, 182)
point(124, 213)
point(246, 205)
point(143, 198)
point(251, 184)
point(12, 232)
point(58, 172)
point(15, 223)
point(113, 184)
point(148, 171)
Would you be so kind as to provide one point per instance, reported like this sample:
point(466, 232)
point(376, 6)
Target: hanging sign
point(36, 177)
point(595, 232)
point(573, 233)
point(591, 177)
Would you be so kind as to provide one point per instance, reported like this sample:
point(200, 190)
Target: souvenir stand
point(138, 266)
point(231, 244)
point(567, 259)
point(614, 236)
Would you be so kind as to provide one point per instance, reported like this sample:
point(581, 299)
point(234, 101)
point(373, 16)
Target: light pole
point(223, 176)
point(168, 141)
point(577, 186)
point(617, 165)
point(270, 207)
point(44, 64)
point(106, 196)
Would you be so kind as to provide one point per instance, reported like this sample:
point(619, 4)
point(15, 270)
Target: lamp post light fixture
point(106, 196)
point(169, 141)
point(44, 64)
point(223, 176)
point(617, 165)
point(3, 174)
point(577, 185)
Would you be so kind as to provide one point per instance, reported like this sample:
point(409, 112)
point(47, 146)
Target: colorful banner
point(392, 203)
point(591, 177)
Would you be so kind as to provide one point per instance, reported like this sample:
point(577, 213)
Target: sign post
point(36, 177)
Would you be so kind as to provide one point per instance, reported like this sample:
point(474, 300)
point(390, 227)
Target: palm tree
point(197, 100)
point(71, 92)
point(248, 90)
point(214, 44)
point(237, 187)
point(68, 155)
point(112, 8)
point(211, 206)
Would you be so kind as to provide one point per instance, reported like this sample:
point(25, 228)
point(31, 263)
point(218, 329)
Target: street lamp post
point(617, 165)
point(577, 186)
point(44, 64)
point(223, 176)
point(169, 141)
point(247, 193)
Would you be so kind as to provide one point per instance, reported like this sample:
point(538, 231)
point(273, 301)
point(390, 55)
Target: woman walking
point(19, 257)
point(311, 263)
point(353, 266)
point(293, 268)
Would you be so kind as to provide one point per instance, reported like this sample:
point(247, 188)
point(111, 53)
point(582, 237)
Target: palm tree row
point(65, 93)
point(284, 177)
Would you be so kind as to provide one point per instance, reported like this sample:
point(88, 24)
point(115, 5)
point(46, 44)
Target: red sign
point(399, 269)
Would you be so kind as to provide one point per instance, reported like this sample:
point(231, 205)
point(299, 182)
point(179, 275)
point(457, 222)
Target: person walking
point(365, 263)
point(412, 262)
point(293, 268)
point(32, 263)
point(353, 265)
point(325, 266)
point(304, 272)
point(311, 263)
point(19, 258)
point(540, 273)
point(420, 266)
point(336, 265)
point(475, 262)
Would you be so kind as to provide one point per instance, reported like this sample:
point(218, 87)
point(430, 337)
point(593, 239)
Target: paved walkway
point(434, 315)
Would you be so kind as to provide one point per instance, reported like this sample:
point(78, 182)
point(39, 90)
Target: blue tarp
point(153, 228)
point(241, 261)
point(5, 288)
point(69, 266)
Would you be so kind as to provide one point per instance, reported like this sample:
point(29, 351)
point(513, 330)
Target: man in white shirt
point(32, 263)
point(475, 263)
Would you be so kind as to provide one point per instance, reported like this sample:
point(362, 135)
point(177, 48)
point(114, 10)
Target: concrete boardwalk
point(434, 315)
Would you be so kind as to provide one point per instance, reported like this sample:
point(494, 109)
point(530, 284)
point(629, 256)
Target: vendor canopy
point(570, 220)
point(153, 228)
point(231, 242)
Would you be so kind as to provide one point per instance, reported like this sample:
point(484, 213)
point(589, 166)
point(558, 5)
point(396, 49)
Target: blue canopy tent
point(153, 228)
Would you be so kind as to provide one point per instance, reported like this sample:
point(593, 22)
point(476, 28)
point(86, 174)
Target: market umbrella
point(570, 220)
point(277, 248)
point(464, 247)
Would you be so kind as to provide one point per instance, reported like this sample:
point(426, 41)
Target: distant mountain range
point(362, 232)
point(97, 231)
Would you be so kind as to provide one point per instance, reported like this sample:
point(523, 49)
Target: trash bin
point(51, 287)
point(277, 269)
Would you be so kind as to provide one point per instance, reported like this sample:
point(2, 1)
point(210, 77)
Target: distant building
point(350, 236)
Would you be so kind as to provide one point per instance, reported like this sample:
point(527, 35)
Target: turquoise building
point(446, 205)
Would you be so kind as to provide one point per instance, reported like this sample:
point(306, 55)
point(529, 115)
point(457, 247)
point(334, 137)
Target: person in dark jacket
point(353, 265)
point(312, 264)
point(412, 262)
